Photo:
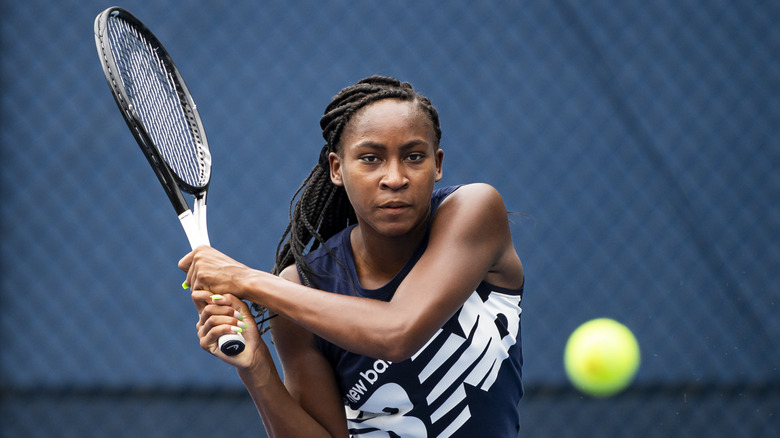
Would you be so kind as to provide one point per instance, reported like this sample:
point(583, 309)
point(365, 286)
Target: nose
point(395, 177)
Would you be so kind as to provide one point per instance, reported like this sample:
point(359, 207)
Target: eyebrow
point(368, 144)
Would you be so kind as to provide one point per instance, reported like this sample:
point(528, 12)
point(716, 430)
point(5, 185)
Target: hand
point(225, 314)
point(210, 270)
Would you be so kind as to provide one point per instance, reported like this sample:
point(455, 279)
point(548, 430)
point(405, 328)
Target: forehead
point(389, 115)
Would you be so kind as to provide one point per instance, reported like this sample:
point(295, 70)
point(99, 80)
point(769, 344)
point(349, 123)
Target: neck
point(379, 258)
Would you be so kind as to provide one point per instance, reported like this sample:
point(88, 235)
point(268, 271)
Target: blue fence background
point(638, 140)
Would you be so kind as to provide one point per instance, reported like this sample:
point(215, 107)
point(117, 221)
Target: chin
point(399, 229)
point(390, 230)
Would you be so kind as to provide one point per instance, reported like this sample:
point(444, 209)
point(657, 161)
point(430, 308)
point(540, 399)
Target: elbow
point(396, 353)
point(399, 344)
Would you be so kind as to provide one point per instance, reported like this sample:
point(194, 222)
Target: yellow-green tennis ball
point(601, 357)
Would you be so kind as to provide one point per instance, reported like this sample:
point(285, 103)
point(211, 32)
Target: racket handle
point(194, 225)
point(232, 344)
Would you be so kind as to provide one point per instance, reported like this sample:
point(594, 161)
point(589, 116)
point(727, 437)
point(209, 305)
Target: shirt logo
point(490, 329)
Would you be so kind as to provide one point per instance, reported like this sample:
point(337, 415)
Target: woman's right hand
point(226, 314)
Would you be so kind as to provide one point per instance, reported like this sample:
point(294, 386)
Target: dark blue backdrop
point(638, 140)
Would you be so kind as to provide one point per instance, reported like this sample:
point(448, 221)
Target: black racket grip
point(232, 344)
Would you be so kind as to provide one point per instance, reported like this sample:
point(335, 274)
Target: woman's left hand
point(210, 270)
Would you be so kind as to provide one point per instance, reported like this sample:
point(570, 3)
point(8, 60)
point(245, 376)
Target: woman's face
point(388, 165)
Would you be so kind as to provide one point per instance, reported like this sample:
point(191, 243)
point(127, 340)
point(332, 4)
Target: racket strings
point(161, 106)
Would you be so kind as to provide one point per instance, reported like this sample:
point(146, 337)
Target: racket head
point(155, 102)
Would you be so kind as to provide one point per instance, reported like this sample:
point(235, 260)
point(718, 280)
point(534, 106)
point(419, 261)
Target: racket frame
point(192, 221)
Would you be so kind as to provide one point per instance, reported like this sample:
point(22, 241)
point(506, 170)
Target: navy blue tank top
point(465, 382)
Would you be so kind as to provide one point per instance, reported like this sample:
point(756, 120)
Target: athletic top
point(465, 382)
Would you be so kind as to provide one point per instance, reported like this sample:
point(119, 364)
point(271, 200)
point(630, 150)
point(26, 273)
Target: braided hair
point(322, 208)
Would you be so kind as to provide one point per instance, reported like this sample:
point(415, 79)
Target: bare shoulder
point(478, 201)
point(290, 273)
point(476, 216)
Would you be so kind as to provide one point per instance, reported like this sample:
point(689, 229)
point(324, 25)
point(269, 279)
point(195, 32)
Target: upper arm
point(308, 375)
point(470, 242)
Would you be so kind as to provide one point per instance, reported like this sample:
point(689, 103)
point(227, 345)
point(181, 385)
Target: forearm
point(360, 325)
point(282, 415)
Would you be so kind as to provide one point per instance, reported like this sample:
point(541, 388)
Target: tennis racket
point(162, 116)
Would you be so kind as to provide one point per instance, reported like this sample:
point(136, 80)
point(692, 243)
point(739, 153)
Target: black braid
point(322, 209)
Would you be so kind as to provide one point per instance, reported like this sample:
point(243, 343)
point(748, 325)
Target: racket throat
point(196, 235)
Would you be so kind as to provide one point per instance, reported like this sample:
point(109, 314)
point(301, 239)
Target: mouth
point(394, 206)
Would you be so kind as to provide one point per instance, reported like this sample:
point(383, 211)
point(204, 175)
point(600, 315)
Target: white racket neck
point(194, 224)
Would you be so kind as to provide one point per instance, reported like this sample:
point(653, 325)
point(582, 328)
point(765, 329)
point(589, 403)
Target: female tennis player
point(398, 303)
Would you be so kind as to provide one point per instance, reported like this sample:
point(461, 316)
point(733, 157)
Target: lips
point(394, 205)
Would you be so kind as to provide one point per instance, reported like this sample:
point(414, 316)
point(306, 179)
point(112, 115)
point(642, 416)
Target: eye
point(369, 158)
point(415, 156)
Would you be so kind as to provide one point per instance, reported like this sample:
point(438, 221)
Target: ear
point(439, 163)
point(335, 169)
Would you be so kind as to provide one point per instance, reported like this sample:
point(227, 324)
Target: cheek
point(356, 193)
point(360, 191)
point(344, 180)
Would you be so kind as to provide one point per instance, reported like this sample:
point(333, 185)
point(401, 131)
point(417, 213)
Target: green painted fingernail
point(217, 297)
point(185, 285)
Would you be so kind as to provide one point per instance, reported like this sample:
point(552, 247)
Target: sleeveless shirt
point(465, 382)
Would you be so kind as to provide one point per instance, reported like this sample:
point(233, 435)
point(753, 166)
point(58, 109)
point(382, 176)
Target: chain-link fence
point(638, 140)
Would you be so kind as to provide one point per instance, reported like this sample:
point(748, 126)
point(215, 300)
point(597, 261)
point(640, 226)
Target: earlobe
point(335, 169)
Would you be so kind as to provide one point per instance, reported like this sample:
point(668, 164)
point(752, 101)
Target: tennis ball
point(601, 357)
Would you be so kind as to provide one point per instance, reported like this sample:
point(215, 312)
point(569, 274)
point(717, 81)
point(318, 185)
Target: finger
point(189, 281)
point(225, 300)
point(188, 264)
point(222, 324)
point(212, 310)
point(186, 261)
point(201, 298)
point(215, 327)
point(244, 313)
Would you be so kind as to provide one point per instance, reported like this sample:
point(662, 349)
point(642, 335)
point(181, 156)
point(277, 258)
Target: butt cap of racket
point(232, 344)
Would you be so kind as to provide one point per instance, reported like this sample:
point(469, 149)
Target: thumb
point(186, 262)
